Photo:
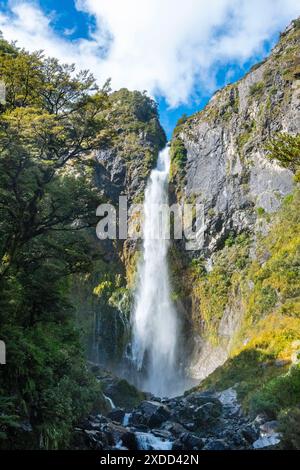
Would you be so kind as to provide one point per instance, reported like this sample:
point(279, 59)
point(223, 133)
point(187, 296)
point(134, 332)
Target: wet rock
point(95, 440)
point(260, 419)
point(88, 425)
point(137, 418)
point(162, 433)
point(178, 445)
point(190, 426)
point(115, 432)
point(139, 428)
point(155, 412)
point(100, 419)
point(129, 440)
point(267, 441)
point(116, 415)
point(122, 393)
point(249, 433)
point(270, 427)
point(269, 435)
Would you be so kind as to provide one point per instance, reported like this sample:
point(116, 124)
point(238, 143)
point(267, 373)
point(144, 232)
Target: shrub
point(256, 89)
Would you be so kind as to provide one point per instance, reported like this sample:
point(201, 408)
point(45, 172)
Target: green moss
point(269, 293)
point(213, 289)
point(260, 211)
point(123, 394)
point(289, 428)
point(178, 154)
point(278, 394)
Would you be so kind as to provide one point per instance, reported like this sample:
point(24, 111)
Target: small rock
point(270, 427)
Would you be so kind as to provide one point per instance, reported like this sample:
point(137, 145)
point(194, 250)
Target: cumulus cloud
point(169, 47)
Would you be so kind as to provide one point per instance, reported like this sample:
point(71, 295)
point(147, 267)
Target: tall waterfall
point(155, 328)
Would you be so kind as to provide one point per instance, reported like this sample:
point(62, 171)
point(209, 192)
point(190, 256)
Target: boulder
point(249, 433)
point(116, 433)
point(155, 412)
point(208, 412)
point(200, 398)
point(191, 442)
point(122, 393)
point(137, 418)
point(129, 440)
point(176, 429)
point(116, 415)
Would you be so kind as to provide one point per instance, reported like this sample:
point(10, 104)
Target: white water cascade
point(155, 325)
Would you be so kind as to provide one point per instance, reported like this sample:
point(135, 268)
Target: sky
point(180, 51)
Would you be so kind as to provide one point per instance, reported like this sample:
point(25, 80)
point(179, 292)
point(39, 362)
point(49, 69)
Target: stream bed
point(196, 421)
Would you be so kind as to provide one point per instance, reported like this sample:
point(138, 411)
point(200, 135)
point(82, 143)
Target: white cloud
point(169, 47)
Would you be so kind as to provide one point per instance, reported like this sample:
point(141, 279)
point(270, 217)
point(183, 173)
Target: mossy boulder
point(122, 393)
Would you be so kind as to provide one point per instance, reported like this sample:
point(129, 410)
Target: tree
point(285, 148)
point(50, 125)
point(51, 120)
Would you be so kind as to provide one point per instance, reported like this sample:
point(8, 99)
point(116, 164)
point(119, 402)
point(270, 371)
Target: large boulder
point(116, 415)
point(122, 393)
point(117, 434)
point(155, 413)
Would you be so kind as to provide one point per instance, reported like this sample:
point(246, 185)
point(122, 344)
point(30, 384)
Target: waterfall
point(155, 328)
point(147, 441)
point(110, 402)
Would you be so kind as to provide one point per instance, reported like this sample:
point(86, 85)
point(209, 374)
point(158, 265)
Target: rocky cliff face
point(124, 165)
point(225, 164)
point(219, 158)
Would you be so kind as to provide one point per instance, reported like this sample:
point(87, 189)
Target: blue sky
point(179, 51)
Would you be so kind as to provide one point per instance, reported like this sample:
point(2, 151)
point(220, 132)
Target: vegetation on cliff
point(263, 362)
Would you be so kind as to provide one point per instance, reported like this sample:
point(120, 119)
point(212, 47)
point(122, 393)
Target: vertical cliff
point(220, 158)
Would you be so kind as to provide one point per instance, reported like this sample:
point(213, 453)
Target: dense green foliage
point(264, 353)
point(178, 154)
point(50, 123)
